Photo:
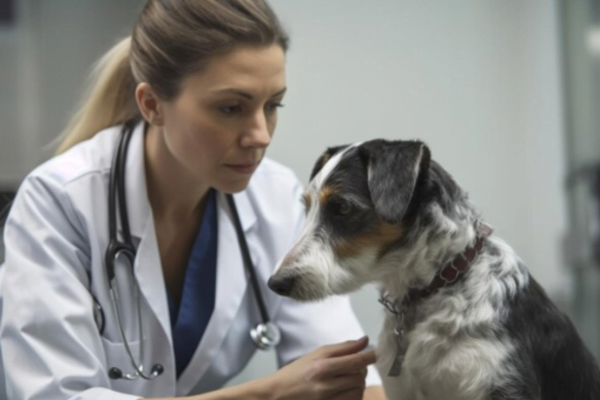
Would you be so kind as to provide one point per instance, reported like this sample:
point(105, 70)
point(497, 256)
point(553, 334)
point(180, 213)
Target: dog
point(465, 320)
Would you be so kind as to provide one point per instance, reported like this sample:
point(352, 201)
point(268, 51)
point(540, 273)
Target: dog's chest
point(437, 366)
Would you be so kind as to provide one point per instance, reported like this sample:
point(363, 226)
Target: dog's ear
point(393, 170)
point(322, 160)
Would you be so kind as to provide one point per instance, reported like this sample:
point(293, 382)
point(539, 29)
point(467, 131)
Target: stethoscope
point(265, 335)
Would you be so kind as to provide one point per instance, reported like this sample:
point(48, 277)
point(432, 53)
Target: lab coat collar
point(138, 206)
point(231, 276)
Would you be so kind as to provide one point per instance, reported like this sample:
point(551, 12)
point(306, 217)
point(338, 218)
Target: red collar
point(445, 277)
point(451, 272)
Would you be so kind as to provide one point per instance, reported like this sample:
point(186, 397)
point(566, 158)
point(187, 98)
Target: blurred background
point(505, 92)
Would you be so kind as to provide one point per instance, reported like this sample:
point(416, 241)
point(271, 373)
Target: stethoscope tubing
point(265, 335)
point(247, 260)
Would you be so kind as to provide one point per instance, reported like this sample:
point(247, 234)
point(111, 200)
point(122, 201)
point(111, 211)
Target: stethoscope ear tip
point(115, 373)
point(157, 370)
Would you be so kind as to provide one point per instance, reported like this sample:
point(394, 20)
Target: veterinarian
point(131, 272)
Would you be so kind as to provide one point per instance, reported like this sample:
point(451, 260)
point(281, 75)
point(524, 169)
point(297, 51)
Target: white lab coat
point(56, 236)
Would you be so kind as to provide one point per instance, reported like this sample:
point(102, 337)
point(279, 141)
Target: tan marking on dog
point(384, 236)
point(325, 194)
point(306, 200)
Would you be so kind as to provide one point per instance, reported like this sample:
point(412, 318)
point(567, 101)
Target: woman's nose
point(258, 134)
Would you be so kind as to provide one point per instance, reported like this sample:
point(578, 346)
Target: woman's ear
point(150, 105)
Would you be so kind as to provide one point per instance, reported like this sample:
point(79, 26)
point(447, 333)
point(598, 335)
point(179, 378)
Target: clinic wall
point(479, 81)
point(45, 58)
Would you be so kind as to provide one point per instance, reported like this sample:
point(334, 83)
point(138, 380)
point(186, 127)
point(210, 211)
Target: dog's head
point(368, 205)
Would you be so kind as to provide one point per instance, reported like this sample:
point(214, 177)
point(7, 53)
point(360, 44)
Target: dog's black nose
point(281, 285)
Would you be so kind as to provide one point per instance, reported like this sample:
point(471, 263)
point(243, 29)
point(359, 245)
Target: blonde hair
point(171, 39)
point(109, 100)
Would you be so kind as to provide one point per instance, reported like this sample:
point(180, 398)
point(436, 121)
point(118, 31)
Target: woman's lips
point(245, 168)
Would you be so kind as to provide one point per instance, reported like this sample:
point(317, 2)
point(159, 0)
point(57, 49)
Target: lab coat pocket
point(118, 359)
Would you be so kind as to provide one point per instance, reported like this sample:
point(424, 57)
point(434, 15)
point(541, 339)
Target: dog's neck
point(452, 271)
point(430, 264)
point(446, 276)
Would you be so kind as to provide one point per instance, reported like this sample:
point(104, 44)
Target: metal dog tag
point(397, 364)
point(399, 314)
point(399, 334)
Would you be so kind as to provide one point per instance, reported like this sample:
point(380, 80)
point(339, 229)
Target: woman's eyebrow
point(246, 95)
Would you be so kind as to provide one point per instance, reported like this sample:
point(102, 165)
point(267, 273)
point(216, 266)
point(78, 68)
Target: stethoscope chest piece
point(265, 335)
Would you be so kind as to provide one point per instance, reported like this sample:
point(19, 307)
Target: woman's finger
point(363, 372)
point(349, 364)
point(345, 348)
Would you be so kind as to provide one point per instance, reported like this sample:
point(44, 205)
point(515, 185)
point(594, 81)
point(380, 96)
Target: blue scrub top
point(198, 297)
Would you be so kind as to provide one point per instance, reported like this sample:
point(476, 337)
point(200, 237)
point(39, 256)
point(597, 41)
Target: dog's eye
point(342, 207)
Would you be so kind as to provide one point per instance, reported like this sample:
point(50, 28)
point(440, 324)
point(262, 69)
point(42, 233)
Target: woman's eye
point(230, 109)
point(274, 106)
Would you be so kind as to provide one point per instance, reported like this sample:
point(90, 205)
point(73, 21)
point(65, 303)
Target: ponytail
point(110, 98)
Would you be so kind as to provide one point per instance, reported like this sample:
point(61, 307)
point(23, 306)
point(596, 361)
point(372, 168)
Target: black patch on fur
point(524, 388)
point(434, 185)
point(443, 188)
point(551, 360)
point(322, 160)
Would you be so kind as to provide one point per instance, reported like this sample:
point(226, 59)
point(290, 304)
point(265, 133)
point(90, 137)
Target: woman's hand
point(334, 372)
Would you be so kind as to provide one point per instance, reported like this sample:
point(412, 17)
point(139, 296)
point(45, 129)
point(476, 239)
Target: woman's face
point(220, 125)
